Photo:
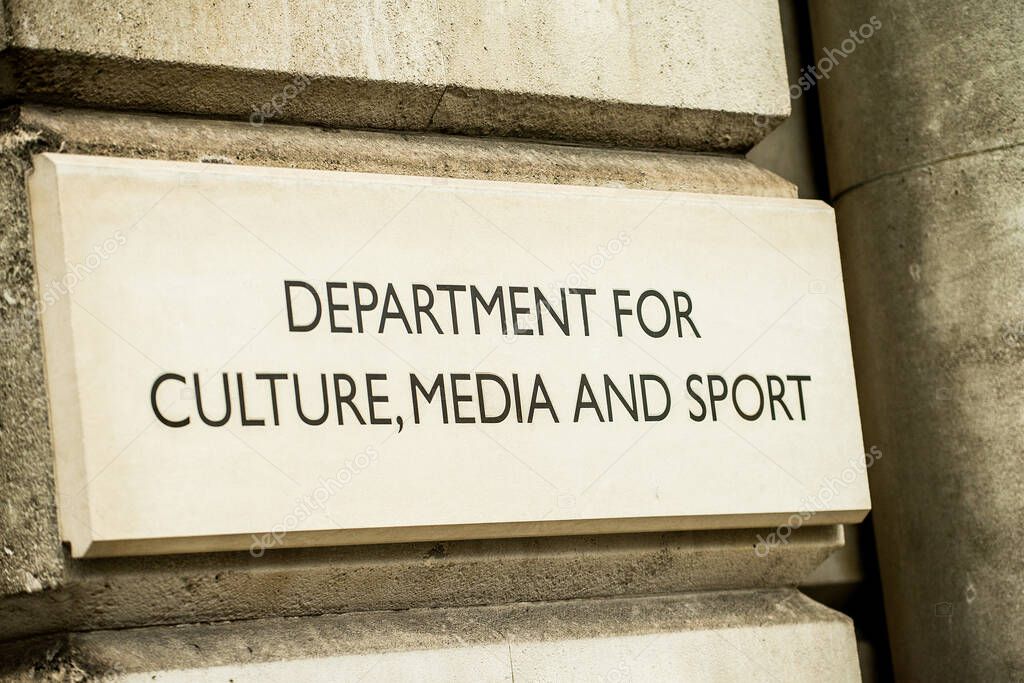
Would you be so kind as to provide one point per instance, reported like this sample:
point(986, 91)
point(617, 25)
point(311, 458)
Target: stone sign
point(248, 358)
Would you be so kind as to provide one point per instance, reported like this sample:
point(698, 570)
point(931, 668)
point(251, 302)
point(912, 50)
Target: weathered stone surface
point(30, 557)
point(937, 80)
point(147, 136)
point(743, 635)
point(142, 591)
point(699, 76)
point(933, 267)
point(923, 133)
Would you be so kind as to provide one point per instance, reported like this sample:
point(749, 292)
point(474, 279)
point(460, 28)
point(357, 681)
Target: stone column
point(923, 122)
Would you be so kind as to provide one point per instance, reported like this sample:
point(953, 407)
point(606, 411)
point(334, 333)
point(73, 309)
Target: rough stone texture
point(700, 75)
point(938, 80)
point(743, 635)
point(30, 557)
point(923, 129)
point(171, 589)
point(92, 132)
point(47, 591)
point(933, 263)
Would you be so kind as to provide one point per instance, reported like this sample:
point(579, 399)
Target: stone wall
point(612, 94)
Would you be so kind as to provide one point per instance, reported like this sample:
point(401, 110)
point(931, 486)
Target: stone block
point(700, 76)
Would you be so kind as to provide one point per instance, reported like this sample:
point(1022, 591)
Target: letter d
point(288, 286)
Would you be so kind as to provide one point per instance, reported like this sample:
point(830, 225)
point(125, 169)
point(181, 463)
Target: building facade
point(919, 127)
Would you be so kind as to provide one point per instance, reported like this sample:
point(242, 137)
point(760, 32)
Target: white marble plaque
point(249, 358)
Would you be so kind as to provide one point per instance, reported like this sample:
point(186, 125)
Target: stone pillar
point(923, 125)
